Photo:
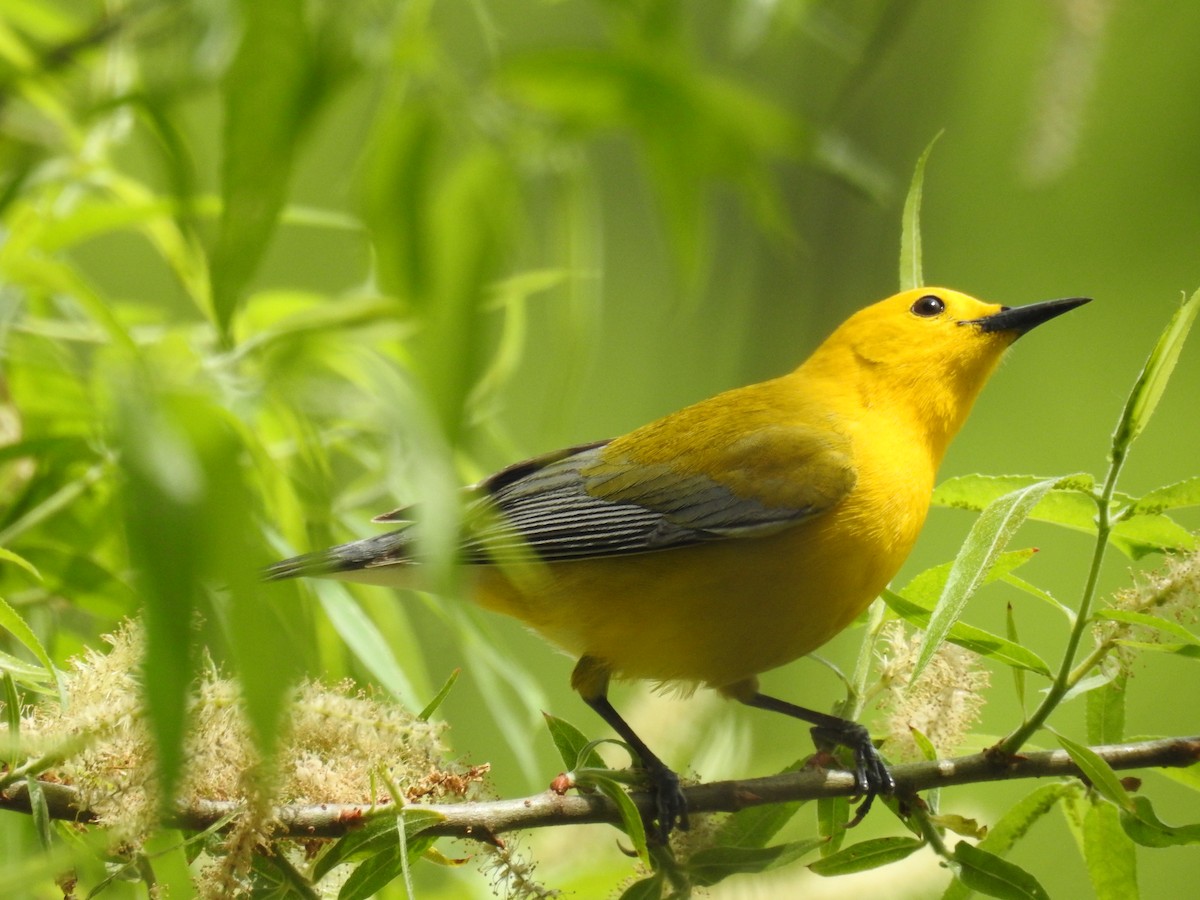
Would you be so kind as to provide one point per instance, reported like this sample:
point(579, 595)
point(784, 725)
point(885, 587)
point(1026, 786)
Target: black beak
point(1020, 319)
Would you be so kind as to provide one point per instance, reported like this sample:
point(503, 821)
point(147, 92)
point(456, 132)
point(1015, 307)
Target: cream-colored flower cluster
point(943, 703)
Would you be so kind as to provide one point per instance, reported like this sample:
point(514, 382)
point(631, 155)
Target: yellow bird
point(735, 535)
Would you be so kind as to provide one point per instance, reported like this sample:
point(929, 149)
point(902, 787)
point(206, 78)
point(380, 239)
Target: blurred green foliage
point(270, 268)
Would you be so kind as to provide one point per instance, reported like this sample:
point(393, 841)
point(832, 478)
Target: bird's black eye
point(928, 306)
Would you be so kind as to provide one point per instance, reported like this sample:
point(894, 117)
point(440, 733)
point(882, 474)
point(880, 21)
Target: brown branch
point(486, 819)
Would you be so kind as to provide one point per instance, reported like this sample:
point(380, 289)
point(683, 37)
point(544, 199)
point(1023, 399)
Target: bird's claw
point(871, 774)
point(670, 805)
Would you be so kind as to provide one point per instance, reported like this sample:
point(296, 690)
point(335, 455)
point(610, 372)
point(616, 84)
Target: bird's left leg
point(871, 775)
point(590, 678)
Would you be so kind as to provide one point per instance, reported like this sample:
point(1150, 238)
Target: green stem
point(930, 832)
point(1067, 676)
point(854, 704)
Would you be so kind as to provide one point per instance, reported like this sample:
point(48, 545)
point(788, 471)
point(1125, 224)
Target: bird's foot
point(871, 774)
point(670, 805)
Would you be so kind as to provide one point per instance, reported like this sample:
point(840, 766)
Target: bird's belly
point(713, 613)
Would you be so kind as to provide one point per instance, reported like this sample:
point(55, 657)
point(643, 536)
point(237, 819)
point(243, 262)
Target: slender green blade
point(1150, 384)
point(991, 532)
point(911, 274)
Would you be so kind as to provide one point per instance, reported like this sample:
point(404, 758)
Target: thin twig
point(485, 820)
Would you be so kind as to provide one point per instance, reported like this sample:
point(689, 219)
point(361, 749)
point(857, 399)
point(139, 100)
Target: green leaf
point(975, 639)
point(12, 717)
point(273, 89)
point(911, 274)
point(1139, 536)
point(1149, 620)
point(1106, 711)
point(987, 873)
point(573, 746)
point(756, 825)
point(1045, 596)
point(1142, 824)
point(832, 815)
point(378, 835)
point(986, 540)
point(1016, 822)
point(870, 854)
point(712, 864)
point(1186, 650)
point(925, 587)
point(646, 889)
point(631, 818)
point(362, 635)
point(9, 556)
point(1172, 496)
point(40, 812)
point(441, 695)
point(11, 621)
point(1150, 384)
point(1098, 772)
point(1070, 503)
point(1187, 775)
point(1010, 628)
point(960, 825)
point(1109, 852)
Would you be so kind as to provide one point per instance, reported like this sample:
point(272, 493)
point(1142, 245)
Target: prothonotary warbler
point(735, 535)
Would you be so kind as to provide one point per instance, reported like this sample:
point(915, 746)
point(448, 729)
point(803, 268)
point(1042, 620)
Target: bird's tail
point(382, 551)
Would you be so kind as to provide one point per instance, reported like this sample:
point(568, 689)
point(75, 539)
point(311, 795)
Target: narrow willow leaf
point(1087, 685)
point(1106, 712)
point(1150, 384)
point(832, 815)
point(911, 273)
point(1098, 772)
point(1149, 620)
point(1013, 825)
point(572, 745)
point(989, 874)
point(986, 540)
point(1142, 824)
point(1172, 496)
point(927, 586)
point(12, 716)
point(365, 640)
point(1070, 503)
point(274, 87)
point(712, 864)
point(40, 812)
point(378, 835)
point(870, 854)
point(380, 870)
point(756, 825)
point(1045, 596)
point(969, 637)
point(1010, 628)
point(11, 621)
point(960, 825)
point(1139, 536)
point(1188, 776)
point(647, 889)
point(1186, 650)
point(9, 556)
point(1109, 853)
point(440, 696)
point(631, 818)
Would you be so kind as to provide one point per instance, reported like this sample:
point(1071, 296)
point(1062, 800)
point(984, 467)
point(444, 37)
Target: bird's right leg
point(590, 678)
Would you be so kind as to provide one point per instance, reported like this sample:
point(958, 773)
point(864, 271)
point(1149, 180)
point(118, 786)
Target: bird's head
point(932, 349)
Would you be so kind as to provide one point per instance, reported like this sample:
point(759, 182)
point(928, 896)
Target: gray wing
point(582, 503)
